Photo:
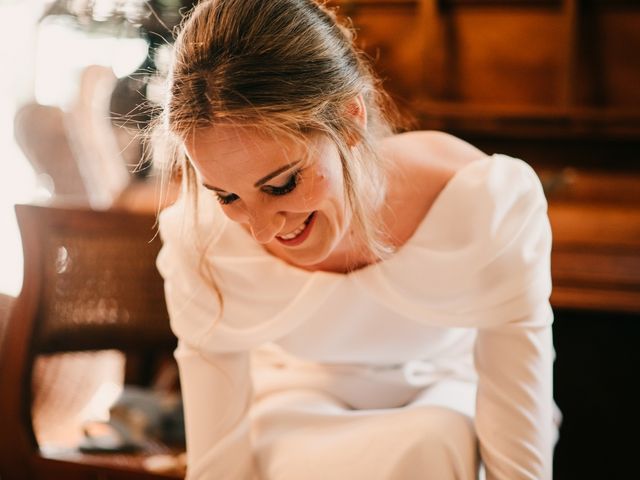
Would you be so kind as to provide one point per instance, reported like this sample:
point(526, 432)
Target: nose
point(265, 224)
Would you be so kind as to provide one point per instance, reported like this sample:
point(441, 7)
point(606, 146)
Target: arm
point(514, 403)
point(216, 386)
point(514, 350)
point(489, 244)
point(216, 392)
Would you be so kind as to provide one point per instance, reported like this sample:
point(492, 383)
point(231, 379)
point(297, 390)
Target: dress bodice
point(471, 262)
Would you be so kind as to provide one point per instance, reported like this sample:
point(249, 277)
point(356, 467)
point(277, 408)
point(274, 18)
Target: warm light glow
point(58, 74)
point(17, 182)
point(42, 61)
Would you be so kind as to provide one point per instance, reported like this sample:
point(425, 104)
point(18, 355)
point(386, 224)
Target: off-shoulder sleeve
point(253, 311)
point(514, 351)
point(216, 387)
point(480, 257)
point(503, 265)
point(482, 260)
point(192, 300)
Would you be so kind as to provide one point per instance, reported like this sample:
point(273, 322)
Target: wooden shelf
point(519, 69)
point(529, 121)
point(595, 299)
point(595, 261)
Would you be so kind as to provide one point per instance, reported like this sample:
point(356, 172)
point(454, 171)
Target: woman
point(349, 303)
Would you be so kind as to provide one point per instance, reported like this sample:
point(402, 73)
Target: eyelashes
point(227, 199)
point(284, 189)
point(289, 186)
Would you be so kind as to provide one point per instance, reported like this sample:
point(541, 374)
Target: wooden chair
point(90, 283)
point(41, 133)
point(77, 149)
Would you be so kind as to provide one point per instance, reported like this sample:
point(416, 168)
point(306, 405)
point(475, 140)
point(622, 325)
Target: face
point(288, 193)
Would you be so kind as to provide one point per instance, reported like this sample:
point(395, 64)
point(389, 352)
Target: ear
point(358, 110)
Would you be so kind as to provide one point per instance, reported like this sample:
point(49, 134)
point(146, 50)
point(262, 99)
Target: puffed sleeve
point(514, 351)
point(216, 387)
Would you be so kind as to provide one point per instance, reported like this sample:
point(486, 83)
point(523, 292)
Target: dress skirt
point(318, 422)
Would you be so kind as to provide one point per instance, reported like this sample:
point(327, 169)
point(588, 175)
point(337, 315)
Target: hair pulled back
point(287, 67)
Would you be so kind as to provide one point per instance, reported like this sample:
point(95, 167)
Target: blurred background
point(17, 50)
point(47, 47)
point(554, 82)
point(80, 82)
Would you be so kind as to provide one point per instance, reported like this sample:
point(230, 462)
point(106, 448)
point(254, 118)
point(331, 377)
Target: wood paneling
point(555, 82)
point(379, 27)
point(619, 56)
point(495, 61)
point(547, 67)
point(595, 261)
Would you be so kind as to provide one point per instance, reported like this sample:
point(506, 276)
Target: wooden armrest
point(6, 302)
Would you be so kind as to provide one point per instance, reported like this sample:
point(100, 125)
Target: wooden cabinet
point(512, 67)
point(595, 261)
point(554, 82)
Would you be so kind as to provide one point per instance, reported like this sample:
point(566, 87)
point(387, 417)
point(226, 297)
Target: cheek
point(323, 187)
point(233, 214)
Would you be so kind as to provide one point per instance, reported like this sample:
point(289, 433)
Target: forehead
point(238, 149)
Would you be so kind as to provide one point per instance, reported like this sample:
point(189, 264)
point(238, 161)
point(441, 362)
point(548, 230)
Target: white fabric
point(463, 303)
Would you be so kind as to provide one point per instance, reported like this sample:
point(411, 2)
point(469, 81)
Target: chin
point(311, 255)
point(306, 259)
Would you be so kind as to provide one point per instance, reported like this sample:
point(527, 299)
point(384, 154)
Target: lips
point(300, 234)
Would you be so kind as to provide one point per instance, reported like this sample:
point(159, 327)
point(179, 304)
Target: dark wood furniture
point(508, 68)
point(554, 82)
point(90, 283)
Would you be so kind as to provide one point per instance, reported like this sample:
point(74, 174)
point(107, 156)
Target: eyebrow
point(264, 179)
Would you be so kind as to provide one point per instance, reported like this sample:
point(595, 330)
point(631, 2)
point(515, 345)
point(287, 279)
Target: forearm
point(217, 394)
point(515, 401)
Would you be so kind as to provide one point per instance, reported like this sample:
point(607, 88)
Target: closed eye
point(290, 184)
point(227, 199)
point(276, 190)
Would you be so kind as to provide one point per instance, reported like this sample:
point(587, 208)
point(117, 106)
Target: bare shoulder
point(422, 163)
point(431, 149)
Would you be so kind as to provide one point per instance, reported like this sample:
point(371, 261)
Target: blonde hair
point(288, 67)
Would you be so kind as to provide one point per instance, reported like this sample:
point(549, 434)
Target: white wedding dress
point(400, 370)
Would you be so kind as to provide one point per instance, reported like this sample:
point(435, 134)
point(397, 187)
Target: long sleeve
point(486, 251)
point(514, 354)
point(514, 414)
point(216, 392)
point(216, 387)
